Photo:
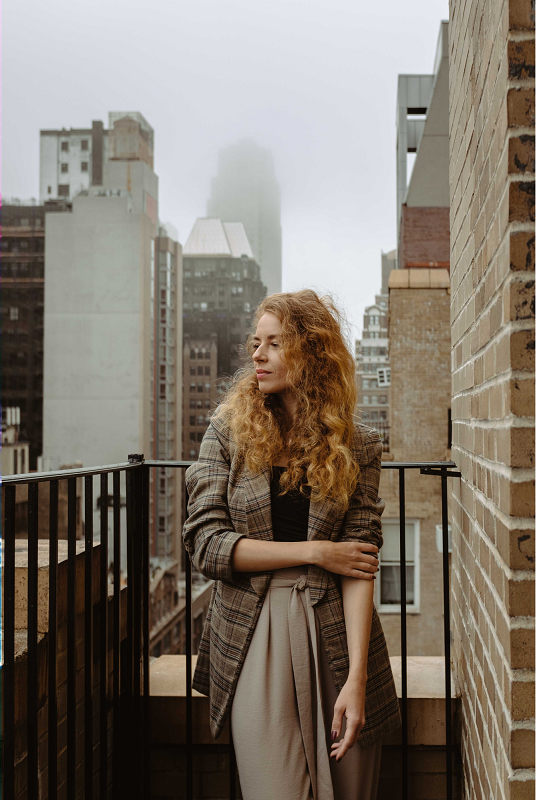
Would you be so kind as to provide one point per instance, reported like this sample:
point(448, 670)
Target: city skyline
point(319, 92)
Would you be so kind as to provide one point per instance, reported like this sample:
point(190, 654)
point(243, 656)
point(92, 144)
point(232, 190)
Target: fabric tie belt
point(305, 661)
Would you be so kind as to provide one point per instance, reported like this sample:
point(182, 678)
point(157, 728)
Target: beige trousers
point(283, 707)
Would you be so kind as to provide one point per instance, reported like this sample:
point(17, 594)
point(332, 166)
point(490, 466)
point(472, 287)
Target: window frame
point(395, 608)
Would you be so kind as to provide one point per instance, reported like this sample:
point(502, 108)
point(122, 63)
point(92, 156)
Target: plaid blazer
point(226, 502)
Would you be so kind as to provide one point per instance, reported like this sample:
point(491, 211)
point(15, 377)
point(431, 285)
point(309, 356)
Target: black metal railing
point(127, 700)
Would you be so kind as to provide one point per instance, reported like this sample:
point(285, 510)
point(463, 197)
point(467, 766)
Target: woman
point(284, 515)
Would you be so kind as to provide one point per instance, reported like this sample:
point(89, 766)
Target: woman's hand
point(353, 559)
point(351, 703)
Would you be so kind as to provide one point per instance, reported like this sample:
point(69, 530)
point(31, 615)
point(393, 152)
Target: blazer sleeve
point(362, 520)
point(208, 532)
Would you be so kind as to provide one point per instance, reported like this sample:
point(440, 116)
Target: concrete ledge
point(419, 278)
point(426, 715)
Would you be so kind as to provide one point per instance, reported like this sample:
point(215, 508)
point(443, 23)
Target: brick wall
point(492, 117)
point(424, 236)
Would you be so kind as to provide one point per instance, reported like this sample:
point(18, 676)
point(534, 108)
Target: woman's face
point(267, 356)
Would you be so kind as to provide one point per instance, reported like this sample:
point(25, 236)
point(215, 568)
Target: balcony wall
point(426, 713)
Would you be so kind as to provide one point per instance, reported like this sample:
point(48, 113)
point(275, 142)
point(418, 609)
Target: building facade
point(221, 290)
point(373, 368)
point(21, 308)
point(492, 193)
point(71, 160)
point(200, 390)
point(245, 190)
point(423, 198)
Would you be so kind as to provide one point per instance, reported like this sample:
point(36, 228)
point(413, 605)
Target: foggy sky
point(314, 81)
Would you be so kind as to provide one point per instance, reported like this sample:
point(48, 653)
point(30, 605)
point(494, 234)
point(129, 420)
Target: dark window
point(49, 189)
point(192, 354)
point(200, 353)
point(199, 436)
point(192, 370)
point(192, 387)
point(207, 354)
point(65, 168)
point(200, 387)
point(207, 370)
point(192, 403)
point(192, 436)
point(84, 166)
point(84, 144)
point(193, 420)
point(63, 190)
point(65, 147)
point(200, 370)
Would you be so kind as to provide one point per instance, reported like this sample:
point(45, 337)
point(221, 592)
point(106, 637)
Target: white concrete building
point(71, 160)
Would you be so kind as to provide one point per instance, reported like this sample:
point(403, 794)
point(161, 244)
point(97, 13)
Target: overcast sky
point(313, 80)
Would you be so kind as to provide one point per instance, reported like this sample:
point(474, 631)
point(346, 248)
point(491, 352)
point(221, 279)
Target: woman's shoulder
point(365, 438)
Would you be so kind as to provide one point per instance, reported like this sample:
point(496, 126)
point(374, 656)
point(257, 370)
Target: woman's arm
point(358, 610)
point(362, 523)
point(343, 558)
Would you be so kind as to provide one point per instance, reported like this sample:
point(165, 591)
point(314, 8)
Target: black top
point(289, 512)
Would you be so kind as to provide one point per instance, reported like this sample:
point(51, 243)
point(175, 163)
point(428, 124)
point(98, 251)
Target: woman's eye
point(275, 344)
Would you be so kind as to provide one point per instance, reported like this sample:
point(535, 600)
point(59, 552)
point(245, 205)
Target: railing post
point(447, 632)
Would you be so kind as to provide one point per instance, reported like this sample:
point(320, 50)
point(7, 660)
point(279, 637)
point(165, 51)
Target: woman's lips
point(262, 374)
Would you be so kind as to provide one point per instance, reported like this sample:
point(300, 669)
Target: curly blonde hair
point(320, 372)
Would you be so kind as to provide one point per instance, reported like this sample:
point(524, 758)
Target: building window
point(199, 436)
point(193, 388)
point(13, 313)
point(193, 452)
point(63, 190)
point(207, 354)
point(192, 436)
point(201, 420)
point(84, 144)
point(207, 387)
point(374, 415)
point(374, 399)
point(384, 415)
point(388, 585)
point(200, 370)
point(383, 399)
point(192, 402)
point(203, 306)
point(192, 420)
point(192, 354)
point(200, 388)
point(201, 353)
point(84, 166)
point(65, 167)
point(192, 370)
point(65, 147)
point(49, 189)
point(365, 383)
point(207, 370)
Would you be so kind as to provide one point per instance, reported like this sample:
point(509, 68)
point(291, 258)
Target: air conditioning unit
point(439, 543)
point(384, 377)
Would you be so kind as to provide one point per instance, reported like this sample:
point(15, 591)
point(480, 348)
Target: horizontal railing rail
point(127, 701)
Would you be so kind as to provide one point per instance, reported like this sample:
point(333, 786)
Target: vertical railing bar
point(117, 634)
point(88, 637)
point(146, 545)
point(71, 636)
point(127, 707)
point(137, 621)
point(232, 769)
point(8, 643)
point(188, 637)
point(103, 641)
point(53, 642)
point(32, 699)
point(404, 689)
point(447, 633)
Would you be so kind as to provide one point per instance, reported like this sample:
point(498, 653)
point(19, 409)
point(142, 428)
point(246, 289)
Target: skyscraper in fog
point(246, 190)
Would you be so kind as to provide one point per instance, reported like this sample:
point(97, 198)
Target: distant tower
point(246, 190)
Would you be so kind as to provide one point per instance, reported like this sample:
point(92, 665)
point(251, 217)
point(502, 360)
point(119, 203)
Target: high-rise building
point(245, 190)
point(113, 351)
point(22, 301)
point(372, 359)
point(423, 129)
point(221, 290)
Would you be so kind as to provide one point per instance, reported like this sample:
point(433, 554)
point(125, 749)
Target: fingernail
point(334, 734)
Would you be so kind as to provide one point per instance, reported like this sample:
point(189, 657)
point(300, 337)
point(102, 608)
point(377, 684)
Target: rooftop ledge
point(426, 714)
